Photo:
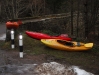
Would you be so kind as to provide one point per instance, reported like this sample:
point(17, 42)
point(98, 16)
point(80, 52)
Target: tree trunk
point(86, 17)
point(72, 17)
point(78, 16)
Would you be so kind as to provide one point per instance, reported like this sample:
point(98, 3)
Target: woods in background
point(86, 19)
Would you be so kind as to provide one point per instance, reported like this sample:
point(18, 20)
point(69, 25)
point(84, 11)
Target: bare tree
point(94, 14)
point(86, 17)
point(71, 17)
point(78, 4)
point(36, 7)
point(91, 15)
point(14, 8)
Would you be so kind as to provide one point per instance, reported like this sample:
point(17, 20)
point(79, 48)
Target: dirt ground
point(12, 57)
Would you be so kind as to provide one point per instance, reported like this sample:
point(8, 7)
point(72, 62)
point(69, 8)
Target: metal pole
point(12, 39)
point(21, 45)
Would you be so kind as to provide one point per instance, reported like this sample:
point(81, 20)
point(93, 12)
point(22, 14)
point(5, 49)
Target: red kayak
point(39, 36)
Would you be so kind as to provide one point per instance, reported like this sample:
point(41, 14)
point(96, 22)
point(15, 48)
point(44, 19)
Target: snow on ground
point(54, 68)
point(2, 36)
point(81, 71)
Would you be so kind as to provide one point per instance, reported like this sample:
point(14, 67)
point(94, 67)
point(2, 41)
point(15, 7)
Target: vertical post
point(21, 45)
point(12, 39)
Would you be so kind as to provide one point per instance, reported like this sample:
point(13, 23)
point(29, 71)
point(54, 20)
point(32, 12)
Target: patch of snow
point(26, 68)
point(3, 37)
point(54, 68)
point(81, 71)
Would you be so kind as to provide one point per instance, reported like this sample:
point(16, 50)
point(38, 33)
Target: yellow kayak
point(67, 45)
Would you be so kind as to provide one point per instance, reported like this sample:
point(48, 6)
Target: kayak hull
point(53, 43)
point(39, 36)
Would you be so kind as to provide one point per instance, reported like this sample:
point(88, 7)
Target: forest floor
point(12, 57)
